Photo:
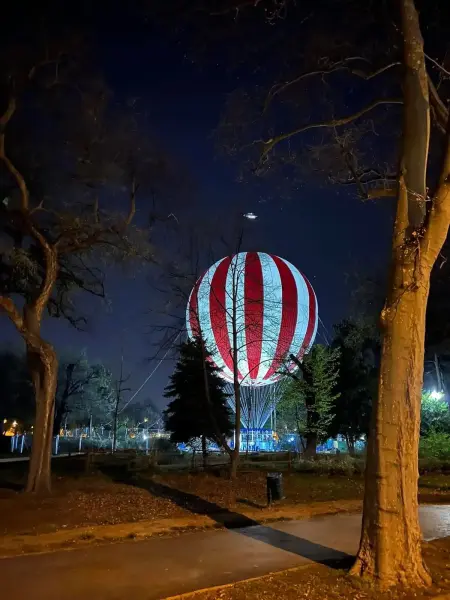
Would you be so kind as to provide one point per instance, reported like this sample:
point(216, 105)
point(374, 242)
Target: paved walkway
point(162, 567)
point(26, 458)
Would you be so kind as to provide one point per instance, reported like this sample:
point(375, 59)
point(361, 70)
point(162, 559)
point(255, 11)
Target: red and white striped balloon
point(275, 314)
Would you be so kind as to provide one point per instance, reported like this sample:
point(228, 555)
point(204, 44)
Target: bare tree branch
point(8, 306)
point(438, 65)
point(270, 144)
point(440, 111)
point(338, 66)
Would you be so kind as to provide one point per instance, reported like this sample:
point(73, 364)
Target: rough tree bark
point(390, 549)
point(43, 368)
point(43, 365)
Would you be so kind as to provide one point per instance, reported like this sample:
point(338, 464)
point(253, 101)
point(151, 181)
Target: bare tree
point(74, 377)
point(57, 226)
point(119, 391)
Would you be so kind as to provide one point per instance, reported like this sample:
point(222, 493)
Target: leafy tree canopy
point(309, 394)
point(359, 350)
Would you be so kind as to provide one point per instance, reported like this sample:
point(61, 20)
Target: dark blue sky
point(325, 231)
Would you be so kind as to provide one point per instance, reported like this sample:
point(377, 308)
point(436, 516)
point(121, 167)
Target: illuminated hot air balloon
point(259, 304)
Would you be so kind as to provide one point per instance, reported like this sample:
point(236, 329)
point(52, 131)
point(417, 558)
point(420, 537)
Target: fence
point(84, 440)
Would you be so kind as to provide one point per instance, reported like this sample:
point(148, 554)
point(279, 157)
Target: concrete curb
point(66, 539)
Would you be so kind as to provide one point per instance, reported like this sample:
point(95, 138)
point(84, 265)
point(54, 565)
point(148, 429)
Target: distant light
point(145, 437)
point(14, 424)
point(291, 439)
point(436, 395)
point(145, 420)
point(5, 421)
point(250, 216)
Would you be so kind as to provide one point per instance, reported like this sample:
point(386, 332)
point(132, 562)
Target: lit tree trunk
point(43, 366)
point(390, 550)
point(391, 538)
point(44, 376)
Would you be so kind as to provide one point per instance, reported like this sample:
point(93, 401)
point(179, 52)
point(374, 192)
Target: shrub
point(331, 465)
point(435, 445)
point(433, 465)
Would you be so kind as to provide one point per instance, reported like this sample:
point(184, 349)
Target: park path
point(161, 567)
point(15, 459)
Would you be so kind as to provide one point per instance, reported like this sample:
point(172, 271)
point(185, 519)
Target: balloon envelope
point(259, 304)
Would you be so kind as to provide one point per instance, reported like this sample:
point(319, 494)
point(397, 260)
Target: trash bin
point(274, 487)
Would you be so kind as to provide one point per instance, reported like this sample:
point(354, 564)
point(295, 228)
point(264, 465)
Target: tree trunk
point(220, 438)
point(310, 434)
point(311, 445)
point(236, 386)
point(44, 371)
point(116, 415)
point(204, 453)
point(237, 431)
point(350, 440)
point(62, 405)
point(390, 550)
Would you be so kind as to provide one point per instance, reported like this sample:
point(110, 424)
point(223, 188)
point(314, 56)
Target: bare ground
point(80, 500)
point(323, 583)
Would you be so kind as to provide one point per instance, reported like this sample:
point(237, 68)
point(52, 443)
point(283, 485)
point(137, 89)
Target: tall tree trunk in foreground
point(391, 538)
point(390, 550)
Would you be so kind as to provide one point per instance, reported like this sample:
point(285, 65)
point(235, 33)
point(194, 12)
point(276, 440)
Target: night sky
point(325, 231)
